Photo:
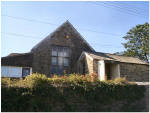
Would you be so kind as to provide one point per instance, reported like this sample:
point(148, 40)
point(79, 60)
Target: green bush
point(36, 80)
point(10, 82)
point(120, 81)
point(62, 93)
point(5, 82)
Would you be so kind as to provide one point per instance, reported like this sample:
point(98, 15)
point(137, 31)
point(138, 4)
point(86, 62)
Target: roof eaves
point(49, 36)
point(18, 54)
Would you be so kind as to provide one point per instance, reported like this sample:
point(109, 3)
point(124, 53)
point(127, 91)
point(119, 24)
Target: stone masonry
point(134, 72)
point(74, 41)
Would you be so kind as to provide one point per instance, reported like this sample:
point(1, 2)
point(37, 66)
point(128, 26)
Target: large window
point(59, 59)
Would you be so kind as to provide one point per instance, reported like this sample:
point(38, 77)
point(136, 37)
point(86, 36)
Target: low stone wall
point(134, 72)
point(53, 101)
point(145, 100)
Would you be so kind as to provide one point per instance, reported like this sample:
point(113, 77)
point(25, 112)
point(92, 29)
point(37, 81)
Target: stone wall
point(89, 65)
point(65, 36)
point(89, 69)
point(134, 72)
point(95, 66)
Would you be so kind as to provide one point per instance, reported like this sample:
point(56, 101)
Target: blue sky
point(102, 24)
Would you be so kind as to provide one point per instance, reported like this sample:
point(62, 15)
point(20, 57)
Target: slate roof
point(17, 59)
point(120, 58)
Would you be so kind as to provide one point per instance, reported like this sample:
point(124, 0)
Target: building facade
point(66, 51)
point(109, 66)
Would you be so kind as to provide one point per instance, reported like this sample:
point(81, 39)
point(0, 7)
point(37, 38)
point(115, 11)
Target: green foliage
point(36, 80)
point(9, 82)
point(137, 44)
point(72, 79)
point(5, 82)
point(64, 93)
point(120, 81)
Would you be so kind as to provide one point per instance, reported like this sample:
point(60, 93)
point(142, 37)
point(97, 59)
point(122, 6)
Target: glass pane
point(60, 51)
point(60, 70)
point(60, 61)
point(66, 52)
point(66, 61)
point(54, 51)
point(25, 72)
point(54, 61)
point(54, 70)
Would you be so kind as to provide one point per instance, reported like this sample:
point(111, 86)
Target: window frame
point(25, 68)
point(57, 66)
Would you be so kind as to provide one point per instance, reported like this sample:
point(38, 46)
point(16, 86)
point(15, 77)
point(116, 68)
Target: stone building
point(66, 51)
point(109, 66)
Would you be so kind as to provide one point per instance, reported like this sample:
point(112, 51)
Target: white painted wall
point(4, 71)
point(12, 71)
point(15, 71)
point(101, 70)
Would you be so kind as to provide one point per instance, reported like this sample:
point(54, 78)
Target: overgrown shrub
point(10, 82)
point(5, 82)
point(64, 93)
point(120, 81)
point(36, 80)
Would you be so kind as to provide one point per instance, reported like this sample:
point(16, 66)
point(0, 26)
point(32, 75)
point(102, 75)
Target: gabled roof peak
point(67, 21)
point(65, 24)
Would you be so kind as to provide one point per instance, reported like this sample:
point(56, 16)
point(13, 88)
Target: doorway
point(112, 70)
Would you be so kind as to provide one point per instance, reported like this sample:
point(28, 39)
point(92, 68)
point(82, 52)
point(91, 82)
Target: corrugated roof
point(107, 56)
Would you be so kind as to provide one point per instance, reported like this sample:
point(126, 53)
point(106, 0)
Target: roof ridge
point(118, 55)
point(123, 55)
point(121, 58)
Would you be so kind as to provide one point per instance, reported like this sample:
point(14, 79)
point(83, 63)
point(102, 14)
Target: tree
point(137, 44)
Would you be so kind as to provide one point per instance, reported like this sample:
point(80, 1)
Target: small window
point(25, 72)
